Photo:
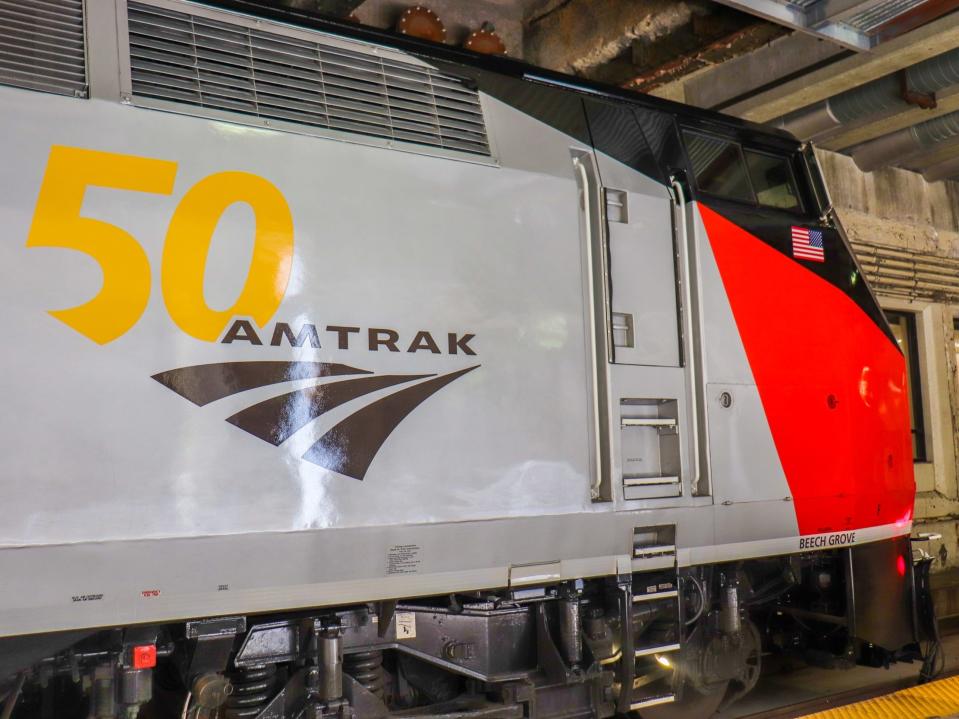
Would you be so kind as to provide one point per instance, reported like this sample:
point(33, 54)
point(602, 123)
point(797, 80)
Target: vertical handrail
point(585, 182)
point(679, 202)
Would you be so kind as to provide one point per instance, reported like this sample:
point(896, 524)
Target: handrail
point(585, 182)
point(679, 201)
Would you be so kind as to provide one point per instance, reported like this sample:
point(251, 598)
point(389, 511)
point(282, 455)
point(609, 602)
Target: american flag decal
point(807, 244)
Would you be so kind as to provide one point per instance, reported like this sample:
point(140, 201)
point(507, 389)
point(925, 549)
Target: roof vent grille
point(227, 67)
point(42, 45)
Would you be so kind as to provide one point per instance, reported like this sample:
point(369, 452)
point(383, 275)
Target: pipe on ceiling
point(942, 170)
point(897, 146)
point(874, 98)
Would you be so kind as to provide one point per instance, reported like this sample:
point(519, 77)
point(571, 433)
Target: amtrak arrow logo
point(351, 445)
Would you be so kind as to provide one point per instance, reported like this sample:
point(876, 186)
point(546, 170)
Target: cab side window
point(773, 180)
point(718, 166)
point(725, 169)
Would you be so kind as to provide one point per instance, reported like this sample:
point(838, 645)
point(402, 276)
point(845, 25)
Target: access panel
point(640, 245)
point(642, 275)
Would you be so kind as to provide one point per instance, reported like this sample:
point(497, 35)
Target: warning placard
point(403, 559)
point(405, 625)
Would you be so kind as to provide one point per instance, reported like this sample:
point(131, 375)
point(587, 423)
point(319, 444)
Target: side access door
point(646, 287)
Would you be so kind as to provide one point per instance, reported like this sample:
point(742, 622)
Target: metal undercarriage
point(667, 643)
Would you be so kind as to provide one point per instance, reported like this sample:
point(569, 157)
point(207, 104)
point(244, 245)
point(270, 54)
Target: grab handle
point(678, 197)
point(597, 305)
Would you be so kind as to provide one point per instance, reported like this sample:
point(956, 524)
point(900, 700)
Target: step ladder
point(656, 618)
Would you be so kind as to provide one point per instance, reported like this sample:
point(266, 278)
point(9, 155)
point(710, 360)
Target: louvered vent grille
point(41, 45)
point(183, 58)
point(895, 271)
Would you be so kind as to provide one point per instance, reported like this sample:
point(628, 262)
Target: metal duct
point(935, 73)
point(898, 145)
point(942, 170)
point(874, 98)
point(808, 121)
point(937, 130)
point(870, 99)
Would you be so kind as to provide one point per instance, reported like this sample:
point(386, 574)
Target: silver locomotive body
point(387, 383)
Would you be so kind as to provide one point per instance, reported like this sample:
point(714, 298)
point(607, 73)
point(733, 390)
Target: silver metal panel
point(106, 583)
point(867, 19)
point(805, 20)
point(838, 11)
point(753, 521)
point(736, 517)
point(743, 458)
point(383, 239)
point(643, 281)
point(103, 50)
point(42, 45)
point(642, 266)
point(849, 23)
point(169, 579)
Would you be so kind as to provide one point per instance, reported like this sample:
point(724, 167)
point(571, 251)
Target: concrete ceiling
point(798, 64)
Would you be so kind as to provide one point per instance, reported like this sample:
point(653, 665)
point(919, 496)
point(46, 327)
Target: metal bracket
point(547, 653)
point(384, 616)
point(627, 662)
point(925, 100)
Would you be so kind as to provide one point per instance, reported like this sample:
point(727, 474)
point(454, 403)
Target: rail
point(679, 203)
point(595, 278)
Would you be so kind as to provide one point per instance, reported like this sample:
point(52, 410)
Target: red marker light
point(145, 656)
point(901, 565)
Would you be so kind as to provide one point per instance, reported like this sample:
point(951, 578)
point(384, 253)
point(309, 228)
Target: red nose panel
point(833, 386)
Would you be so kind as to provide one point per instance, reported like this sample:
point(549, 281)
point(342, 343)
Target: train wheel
point(692, 706)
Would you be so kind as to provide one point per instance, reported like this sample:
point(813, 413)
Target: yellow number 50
point(123, 297)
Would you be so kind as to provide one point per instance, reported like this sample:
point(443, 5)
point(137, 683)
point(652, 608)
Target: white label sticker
point(403, 559)
point(405, 625)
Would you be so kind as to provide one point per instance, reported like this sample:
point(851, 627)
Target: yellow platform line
point(935, 699)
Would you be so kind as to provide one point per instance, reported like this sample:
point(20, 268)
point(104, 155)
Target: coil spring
point(367, 669)
point(252, 690)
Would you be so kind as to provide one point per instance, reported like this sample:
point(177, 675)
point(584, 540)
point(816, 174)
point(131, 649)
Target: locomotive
point(348, 375)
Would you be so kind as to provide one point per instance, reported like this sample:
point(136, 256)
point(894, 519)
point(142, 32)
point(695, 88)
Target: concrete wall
point(580, 36)
point(898, 208)
point(573, 36)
